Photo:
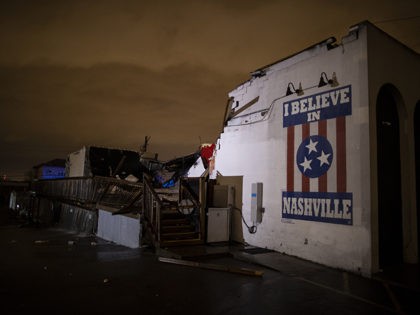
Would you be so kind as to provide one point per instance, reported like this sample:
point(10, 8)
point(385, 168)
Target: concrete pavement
point(54, 271)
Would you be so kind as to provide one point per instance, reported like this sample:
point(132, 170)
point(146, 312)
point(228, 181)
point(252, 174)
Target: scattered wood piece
point(239, 270)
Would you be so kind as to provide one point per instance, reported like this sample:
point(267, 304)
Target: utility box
point(223, 196)
point(218, 225)
point(256, 202)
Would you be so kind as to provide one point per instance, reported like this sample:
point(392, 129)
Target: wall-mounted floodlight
point(323, 81)
point(291, 89)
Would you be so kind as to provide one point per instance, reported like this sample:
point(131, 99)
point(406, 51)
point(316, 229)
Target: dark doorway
point(417, 158)
point(389, 179)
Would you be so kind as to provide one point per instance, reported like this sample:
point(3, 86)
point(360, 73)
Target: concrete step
point(171, 243)
point(177, 228)
point(174, 222)
point(170, 214)
point(178, 235)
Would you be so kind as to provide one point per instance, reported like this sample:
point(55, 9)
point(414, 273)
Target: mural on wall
point(316, 158)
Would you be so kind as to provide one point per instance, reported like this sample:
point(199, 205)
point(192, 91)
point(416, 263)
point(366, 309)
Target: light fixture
point(323, 81)
point(291, 89)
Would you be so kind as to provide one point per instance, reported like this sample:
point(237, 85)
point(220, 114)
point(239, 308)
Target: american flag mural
point(316, 179)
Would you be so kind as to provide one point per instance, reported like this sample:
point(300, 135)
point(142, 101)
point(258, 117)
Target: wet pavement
point(53, 271)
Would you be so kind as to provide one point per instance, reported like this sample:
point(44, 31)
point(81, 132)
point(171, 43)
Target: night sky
point(108, 73)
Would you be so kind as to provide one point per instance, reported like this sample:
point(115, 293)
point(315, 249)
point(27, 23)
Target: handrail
point(147, 183)
point(152, 205)
point(191, 194)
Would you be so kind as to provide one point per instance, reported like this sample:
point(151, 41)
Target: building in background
point(50, 170)
point(322, 147)
point(106, 162)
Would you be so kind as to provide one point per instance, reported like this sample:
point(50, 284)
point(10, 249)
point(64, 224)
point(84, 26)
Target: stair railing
point(152, 206)
point(186, 192)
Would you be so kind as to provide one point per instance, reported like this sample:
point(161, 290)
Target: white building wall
point(255, 146)
point(120, 229)
point(399, 67)
point(76, 164)
point(197, 169)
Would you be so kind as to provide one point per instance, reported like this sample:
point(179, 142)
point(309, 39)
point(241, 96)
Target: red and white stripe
point(336, 178)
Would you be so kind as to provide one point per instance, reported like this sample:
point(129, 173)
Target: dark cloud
point(76, 73)
point(225, 35)
point(110, 105)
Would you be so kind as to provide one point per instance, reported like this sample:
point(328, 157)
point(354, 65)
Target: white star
point(323, 158)
point(306, 164)
point(312, 146)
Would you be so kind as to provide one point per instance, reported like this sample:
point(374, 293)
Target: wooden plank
point(239, 270)
point(244, 107)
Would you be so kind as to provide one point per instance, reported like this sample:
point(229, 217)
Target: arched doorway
point(417, 160)
point(389, 178)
